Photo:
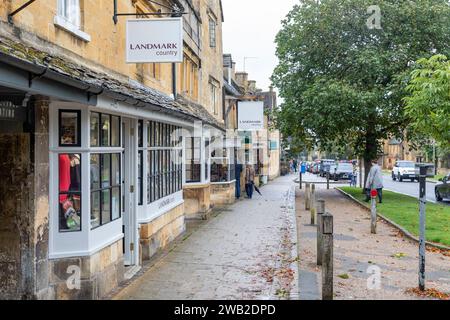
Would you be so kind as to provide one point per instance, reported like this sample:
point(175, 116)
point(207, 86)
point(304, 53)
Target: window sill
point(67, 26)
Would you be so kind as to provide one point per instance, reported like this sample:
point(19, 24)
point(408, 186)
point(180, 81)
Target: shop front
point(93, 176)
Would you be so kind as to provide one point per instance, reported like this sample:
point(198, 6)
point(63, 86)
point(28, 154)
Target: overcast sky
point(249, 31)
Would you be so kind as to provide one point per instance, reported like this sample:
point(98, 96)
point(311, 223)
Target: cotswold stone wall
point(197, 201)
point(156, 235)
point(99, 274)
point(24, 208)
point(223, 194)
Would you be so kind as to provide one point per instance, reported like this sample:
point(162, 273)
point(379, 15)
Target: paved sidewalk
point(356, 249)
point(247, 252)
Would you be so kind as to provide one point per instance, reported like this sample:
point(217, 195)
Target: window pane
point(106, 209)
point(69, 128)
point(140, 177)
point(141, 133)
point(115, 165)
point(106, 170)
point(95, 171)
point(69, 192)
point(115, 200)
point(115, 131)
point(95, 209)
point(95, 121)
point(106, 129)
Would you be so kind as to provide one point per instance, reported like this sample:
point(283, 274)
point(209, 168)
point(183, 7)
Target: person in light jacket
point(375, 181)
point(249, 180)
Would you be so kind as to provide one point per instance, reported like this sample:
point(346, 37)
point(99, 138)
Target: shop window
point(69, 128)
point(105, 130)
point(105, 188)
point(193, 160)
point(164, 175)
point(207, 148)
point(94, 129)
point(69, 192)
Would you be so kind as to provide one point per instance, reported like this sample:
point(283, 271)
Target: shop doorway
point(129, 208)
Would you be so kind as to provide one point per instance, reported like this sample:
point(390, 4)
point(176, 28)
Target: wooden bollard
point(320, 211)
point(327, 257)
point(373, 211)
point(313, 203)
point(307, 196)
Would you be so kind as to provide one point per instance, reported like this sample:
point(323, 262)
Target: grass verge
point(404, 210)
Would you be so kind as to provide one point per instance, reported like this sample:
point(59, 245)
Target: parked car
point(315, 168)
point(324, 166)
point(442, 190)
point(405, 170)
point(344, 171)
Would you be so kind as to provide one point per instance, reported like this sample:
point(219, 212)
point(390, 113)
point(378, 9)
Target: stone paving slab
point(236, 255)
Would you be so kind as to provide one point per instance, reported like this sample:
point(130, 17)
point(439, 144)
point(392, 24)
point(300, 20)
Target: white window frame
point(87, 241)
point(68, 17)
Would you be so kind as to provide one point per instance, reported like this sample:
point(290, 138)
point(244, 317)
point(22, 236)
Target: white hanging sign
point(154, 40)
point(250, 115)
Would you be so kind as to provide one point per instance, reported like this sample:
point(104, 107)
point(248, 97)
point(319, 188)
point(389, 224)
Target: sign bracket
point(12, 14)
point(173, 13)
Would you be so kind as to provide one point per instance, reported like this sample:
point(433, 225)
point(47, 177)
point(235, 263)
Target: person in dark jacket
point(238, 171)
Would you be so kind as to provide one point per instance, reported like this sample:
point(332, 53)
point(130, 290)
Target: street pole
point(328, 180)
point(423, 201)
point(300, 179)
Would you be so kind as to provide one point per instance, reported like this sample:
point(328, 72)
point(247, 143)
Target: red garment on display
point(64, 176)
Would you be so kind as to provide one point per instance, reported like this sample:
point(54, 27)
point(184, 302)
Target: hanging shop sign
point(154, 40)
point(251, 115)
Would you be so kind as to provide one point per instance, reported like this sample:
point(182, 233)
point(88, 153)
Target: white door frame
point(129, 171)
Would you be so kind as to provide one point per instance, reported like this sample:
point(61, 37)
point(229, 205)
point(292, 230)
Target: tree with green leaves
point(343, 70)
point(428, 102)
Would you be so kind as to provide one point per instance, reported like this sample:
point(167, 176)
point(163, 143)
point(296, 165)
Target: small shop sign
point(154, 40)
point(251, 115)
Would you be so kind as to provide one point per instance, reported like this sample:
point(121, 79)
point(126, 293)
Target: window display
point(164, 174)
point(69, 192)
point(105, 188)
point(69, 128)
point(193, 159)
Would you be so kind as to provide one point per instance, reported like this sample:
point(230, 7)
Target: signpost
point(423, 201)
point(154, 40)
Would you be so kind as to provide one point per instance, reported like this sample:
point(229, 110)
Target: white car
point(405, 170)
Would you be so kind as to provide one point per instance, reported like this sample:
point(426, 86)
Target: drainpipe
point(174, 81)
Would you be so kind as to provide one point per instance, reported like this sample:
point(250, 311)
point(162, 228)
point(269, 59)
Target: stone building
point(260, 148)
point(102, 160)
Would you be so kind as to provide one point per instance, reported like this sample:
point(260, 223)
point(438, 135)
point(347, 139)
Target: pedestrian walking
point(374, 181)
point(238, 171)
point(295, 163)
point(249, 180)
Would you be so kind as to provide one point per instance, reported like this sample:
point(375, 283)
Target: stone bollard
point(320, 211)
point(307, 196)
point(327, 257)
point(313, 204)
